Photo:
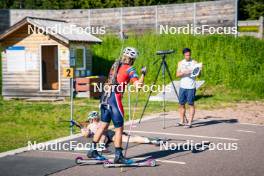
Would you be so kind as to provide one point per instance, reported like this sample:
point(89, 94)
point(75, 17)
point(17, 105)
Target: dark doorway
point(49, 67)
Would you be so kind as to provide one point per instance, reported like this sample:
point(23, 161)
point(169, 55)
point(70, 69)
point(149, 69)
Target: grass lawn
point(30, 121)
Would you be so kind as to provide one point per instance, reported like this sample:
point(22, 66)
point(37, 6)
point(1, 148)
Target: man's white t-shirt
point(187, 82)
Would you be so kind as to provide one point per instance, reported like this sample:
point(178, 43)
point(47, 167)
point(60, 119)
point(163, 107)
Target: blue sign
point(16, 48)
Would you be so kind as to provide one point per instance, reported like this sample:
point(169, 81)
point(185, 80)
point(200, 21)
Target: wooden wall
point(26, 84)
point(213, 13)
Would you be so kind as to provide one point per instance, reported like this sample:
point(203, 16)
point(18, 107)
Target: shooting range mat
point(170, 94)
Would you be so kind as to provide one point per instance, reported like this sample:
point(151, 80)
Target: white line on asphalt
point(172, 162)
point(245, 131)
point(253, 124)
point(186, 135)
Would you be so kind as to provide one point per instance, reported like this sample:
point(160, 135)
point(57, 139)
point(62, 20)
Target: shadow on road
point(208, 122)
point(189, 148)
point(197, 97)
point(213, 122)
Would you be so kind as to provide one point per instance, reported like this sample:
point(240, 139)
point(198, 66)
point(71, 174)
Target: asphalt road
point(243, 154)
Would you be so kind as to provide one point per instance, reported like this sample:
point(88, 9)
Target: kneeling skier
point(94, 123)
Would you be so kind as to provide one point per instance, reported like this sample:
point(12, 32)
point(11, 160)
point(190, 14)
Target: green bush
point(235, 63)
point(1, 49)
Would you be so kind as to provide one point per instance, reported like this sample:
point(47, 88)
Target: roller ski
point(121, 161)
point(148, 163)
point(93, 158)
point(90, 161)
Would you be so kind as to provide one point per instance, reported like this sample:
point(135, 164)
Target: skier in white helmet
point(121, 73)
point(108, 136)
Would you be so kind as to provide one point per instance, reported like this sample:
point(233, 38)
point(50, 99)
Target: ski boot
point(120, 159)
point(157, 141)
point(93, 154)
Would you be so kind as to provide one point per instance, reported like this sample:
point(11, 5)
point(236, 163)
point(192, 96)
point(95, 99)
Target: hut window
point(80, 58)
point(16, 61)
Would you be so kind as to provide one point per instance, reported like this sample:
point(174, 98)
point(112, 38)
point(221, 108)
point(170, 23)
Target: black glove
point(143, 70)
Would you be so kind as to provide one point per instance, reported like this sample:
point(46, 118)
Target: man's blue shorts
point(186, 96)
point(114, 112)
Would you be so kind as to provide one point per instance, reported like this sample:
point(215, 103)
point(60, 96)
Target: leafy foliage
point(235, 63)
point(251, 9)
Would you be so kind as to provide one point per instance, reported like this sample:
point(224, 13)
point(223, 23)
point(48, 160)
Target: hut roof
point(60, 29)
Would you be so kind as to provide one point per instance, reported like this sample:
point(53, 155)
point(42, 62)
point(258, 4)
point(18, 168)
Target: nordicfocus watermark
point(190, 145)
point(191, 29)
point(67, 29)
point(100, 87)
point(72, 145)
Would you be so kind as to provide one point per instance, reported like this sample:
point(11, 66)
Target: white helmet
point(93, 115)
point(130, 52)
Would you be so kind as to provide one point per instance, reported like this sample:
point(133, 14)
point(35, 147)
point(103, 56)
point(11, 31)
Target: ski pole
point(73, 123)
point(143, 71)
point(131, 124)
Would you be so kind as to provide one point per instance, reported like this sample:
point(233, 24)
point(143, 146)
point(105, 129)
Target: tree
point(251, 9)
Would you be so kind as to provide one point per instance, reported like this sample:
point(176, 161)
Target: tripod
point(164, 67)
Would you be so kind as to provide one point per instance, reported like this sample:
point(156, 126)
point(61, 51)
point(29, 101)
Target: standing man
point(187, 87)
point(121, 73)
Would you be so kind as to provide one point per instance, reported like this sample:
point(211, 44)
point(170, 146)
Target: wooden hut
point(35, 53)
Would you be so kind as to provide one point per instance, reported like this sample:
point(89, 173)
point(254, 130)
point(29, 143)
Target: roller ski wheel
point(152, 162)
point(107, 163)
point(79, 160)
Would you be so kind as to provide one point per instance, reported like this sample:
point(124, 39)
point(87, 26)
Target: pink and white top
point(93, 127)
